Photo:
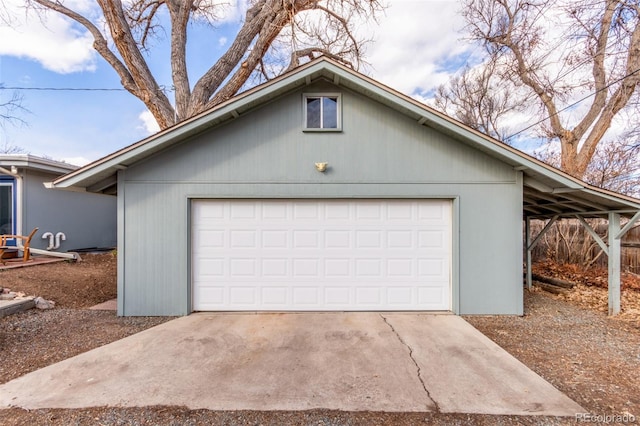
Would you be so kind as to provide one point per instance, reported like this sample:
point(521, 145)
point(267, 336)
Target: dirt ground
point(69, 284)
point(567, 339)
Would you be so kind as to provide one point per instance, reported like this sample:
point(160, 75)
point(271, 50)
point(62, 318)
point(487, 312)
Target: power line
point(575, 103)
point(69, 89)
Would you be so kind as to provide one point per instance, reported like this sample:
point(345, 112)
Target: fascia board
point(31, 162)
point(193, 126)
point(617, 198)
point(458, 130)
point(347, 78)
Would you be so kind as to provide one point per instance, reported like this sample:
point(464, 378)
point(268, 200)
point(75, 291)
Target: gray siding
point(87, 220)
point(379, 154)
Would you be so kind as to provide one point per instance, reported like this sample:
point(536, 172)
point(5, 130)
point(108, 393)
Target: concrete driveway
point(344, 361)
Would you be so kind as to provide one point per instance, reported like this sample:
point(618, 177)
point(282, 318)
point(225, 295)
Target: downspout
point(69, 255)
point(19, 209)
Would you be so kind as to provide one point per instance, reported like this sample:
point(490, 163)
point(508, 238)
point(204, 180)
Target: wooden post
point(614, 264)
point(527, 245)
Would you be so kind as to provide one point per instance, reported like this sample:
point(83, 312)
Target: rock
point(4, 290)
point(42, 303)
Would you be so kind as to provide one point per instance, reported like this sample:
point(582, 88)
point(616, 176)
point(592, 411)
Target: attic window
point(322, 112)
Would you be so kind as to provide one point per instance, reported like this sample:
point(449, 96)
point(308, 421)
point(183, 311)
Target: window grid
point(322, 112)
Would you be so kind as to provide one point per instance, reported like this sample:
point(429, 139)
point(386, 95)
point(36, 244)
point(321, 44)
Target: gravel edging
point(593, 358)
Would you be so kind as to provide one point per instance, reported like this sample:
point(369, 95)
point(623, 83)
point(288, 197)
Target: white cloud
point(50, 39)
point(222, 41)
point(412, 40)
point(149, 123)
point(76, 161)
point(227, 11)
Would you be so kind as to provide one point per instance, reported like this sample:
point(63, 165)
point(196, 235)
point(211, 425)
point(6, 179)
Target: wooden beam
point(544, 230)
point(103, 184)
point(553, 201)
point(536, 184)
point(531, 209)
point(540, 195)
point(527, 245)
point(594, 235)
point(628, 226)
point(583, 202)
point(549, 207)
point(614, 264)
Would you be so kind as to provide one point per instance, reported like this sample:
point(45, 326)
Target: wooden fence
point(568, 242)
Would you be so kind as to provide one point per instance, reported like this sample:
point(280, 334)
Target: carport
point(545, 200)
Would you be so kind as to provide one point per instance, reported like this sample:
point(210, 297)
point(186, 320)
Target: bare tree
point(11, 108)
point(7, 148)
point(563, 52)
point(308, 27)
point(615, 165)
point(477, 98)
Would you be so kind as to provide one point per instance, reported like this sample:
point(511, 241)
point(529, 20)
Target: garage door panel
point(436, 269)
point(276, 296)
point(337, 212)
point(321, 255)
point(278, 268)
point(434, 213)
point(242, 211)
point(273, 211)
point(400, 297)
point(369, 296)
point(274, 239)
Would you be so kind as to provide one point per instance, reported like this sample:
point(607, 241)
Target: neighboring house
point(86, 219)
point(234, 209)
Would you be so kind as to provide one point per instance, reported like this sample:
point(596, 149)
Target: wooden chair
point(26, 241)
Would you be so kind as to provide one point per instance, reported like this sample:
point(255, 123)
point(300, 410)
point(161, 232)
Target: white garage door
point(321, 255)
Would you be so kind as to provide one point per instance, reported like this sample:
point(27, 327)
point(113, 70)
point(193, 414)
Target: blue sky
point(416, 46)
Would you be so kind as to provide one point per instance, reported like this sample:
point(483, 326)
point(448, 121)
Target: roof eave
point(226, 111)
point(537, 174)
point(32, 162)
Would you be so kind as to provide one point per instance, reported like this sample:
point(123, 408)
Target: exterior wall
point(87, 220)
point(379, 154)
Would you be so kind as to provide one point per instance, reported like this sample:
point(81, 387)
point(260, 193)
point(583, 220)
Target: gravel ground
point(594, 359)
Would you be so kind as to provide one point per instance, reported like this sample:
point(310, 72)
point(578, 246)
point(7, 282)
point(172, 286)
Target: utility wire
point(575, 103)
point(69, 89)
point(77, 89)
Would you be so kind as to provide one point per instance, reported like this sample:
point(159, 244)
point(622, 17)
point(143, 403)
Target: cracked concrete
point(297, 361)
point(418, 369)
point(466, 372)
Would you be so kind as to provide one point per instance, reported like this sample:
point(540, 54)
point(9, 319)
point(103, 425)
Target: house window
point(6, 208)
point(322, 112)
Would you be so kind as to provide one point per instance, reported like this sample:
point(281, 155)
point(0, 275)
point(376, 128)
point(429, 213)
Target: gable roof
point(547, 191)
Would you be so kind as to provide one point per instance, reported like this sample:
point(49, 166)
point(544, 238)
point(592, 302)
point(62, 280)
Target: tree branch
point(148, 89)
point(134, 74)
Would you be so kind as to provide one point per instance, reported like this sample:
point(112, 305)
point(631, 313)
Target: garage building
point(324, 190)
